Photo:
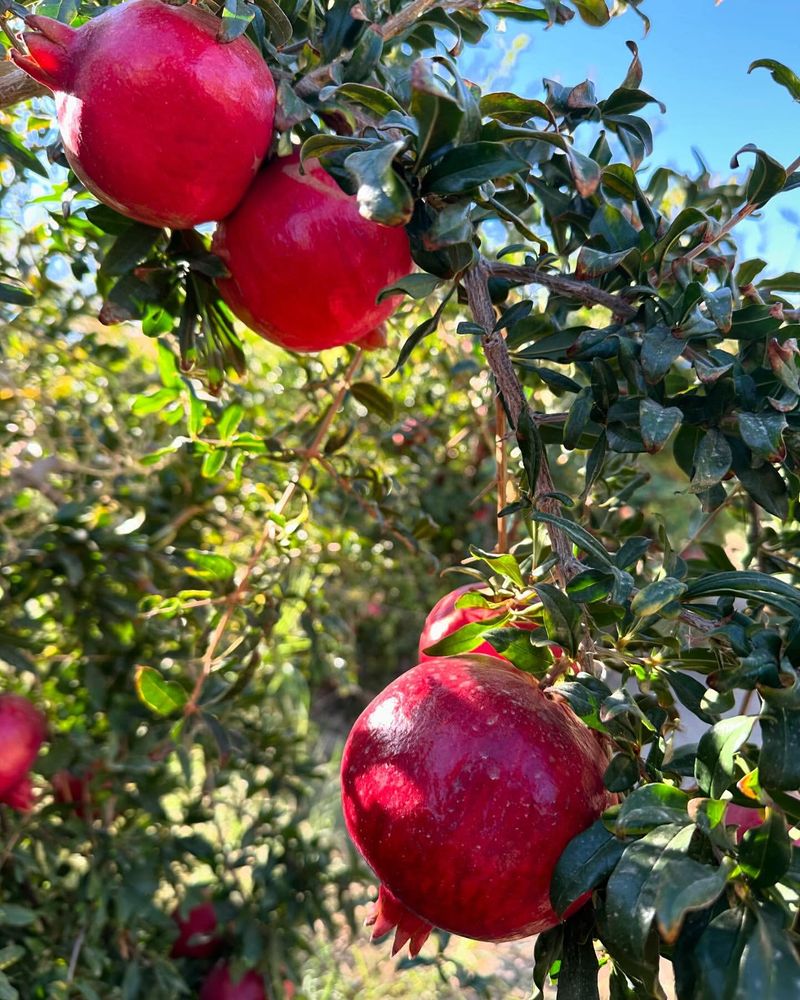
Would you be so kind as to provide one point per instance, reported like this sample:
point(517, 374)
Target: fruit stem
point(268, 534)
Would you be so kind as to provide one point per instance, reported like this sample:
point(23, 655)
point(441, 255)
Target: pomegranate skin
point(197, 936)
point(22, 732)
point(462, 783)
point(305, 267)
point(159, 119)
point(220, 986)
point(445, 618)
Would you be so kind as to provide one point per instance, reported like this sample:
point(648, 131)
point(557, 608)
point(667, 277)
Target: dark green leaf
point(658, 423)
point(651, 806)
point(779, 760)
point(439, 115)
point(129, 249)
point(585, 863)
point(714, 768)
point(375, 399)
point(712, 460)
point(766, 179)
point(467, 167)
point(561, 617)
point(780, 74)
point(765, 852)
point(660, 348)
point(383, 196)
point(687, 885)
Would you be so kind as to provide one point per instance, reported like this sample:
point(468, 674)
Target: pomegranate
point(219, 985)
point(305, 267)
point(72, 789)
point(197, 937)
point(22, 732)
point(159, 119)
point(462, 783)
point(445, 618)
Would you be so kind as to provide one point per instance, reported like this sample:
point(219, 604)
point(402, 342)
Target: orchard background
point(215, 552)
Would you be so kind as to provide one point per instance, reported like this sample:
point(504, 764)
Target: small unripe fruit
point(159, 118)
point(22, 732)
point(445, 618)
point(220, 986)
point(462, 783)
point(305, 267)
point(197, 933)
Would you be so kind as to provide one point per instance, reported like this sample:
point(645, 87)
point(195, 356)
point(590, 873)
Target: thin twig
point(501, 460)
point(267, 535)
point(747, 209)
point(562, 284)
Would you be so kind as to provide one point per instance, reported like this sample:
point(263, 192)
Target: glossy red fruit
point(159, 118)
point(220, 986)
point(22, 732)
point(462, 782)
point(197, 933)
point(305, 267)
point(445, 618)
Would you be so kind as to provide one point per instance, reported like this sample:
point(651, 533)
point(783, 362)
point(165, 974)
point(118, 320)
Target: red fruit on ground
point(445, 618)
point(197, 937)
point(462, 783)
point(22, 732)
point(159, 119)
point(305, 267)
point(220, 986)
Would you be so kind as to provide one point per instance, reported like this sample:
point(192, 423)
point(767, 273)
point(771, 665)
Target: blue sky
point(695, 60)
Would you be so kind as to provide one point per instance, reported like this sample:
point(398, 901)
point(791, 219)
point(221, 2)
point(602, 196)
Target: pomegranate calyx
point(388, 914)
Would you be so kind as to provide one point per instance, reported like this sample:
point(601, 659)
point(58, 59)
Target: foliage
point(143, 484)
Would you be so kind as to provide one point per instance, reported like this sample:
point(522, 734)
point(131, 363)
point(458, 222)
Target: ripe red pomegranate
point(462, 782)
point(22, 732)
point(159, 119)
point(220, 986)
point(197, 933)
point(305, 267)
point(445, 618)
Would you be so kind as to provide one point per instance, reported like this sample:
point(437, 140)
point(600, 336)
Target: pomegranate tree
point(22, 732)
point(220, 985)
point(305, 267)
point(197, 933)
point(462, 782)
point(159, 118)
point(445, 618)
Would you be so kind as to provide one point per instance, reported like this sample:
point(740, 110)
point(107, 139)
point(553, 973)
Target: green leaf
point(586, 695)
point(633, 888)
point(7, 991)
point(779, 760)
point(213, 462)
point(593, 12)
point(762, 432)
point(418, 286)
point(278, 24)
point(769, 967)
point(514, 643)
point(765, 852)
point(590, 585)
point(12, 915)
point(372, 98)
point(766, 179)
point(687, 885)
point(582, 538)
point(690, 693)
point(15, 295)
point(156, 401)
point(780, 74)
point(586, 862)
point(561, 618)
point(714, 767)
point(530, 446)
point(12, 148)
point(650, 806)
point(500, 562)
point(718, 952)
point(160, 695)
point(712, 460)
point(236, 18)
point(375, 399)
point(658, 423)
point(585, 172)
point(129, 249)
point(657, 595)
point(439, 115)
point(325, 144)
point(660, 348)
point(759, 587)
point(507, 107)
point(465, 638)
point(685, 220)
point(467, 167)
point(209, 565)
point(383, 196)
point(622, 773)
point(228, 423)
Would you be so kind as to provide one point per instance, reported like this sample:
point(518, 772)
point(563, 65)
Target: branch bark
point(562, 285)
point(476, 283)
point(16, 86)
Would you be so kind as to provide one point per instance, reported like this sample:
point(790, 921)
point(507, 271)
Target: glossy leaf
point(716, 751)
point(585, 863)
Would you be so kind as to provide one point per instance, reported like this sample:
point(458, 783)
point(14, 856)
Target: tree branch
point(494, 346)
point(562, 284)
point(16, 86)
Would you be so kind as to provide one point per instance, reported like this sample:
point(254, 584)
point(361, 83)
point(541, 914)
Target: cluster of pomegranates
point(462, 783)
point(169, 125)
